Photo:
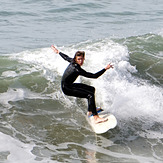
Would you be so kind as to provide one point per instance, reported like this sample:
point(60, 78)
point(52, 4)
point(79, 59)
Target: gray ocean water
point(38, 123)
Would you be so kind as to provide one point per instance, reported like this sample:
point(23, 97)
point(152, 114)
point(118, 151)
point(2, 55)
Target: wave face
point(39, 120)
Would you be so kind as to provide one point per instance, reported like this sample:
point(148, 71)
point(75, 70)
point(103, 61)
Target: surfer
point(79, 89)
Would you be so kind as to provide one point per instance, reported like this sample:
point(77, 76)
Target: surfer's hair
point(77, 54)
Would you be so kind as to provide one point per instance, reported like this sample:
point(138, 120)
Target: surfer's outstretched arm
point(64, 56)
point(55, 49)
point(109, 66)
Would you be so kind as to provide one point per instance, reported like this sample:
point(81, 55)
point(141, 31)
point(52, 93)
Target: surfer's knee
point(93, 89)
point(90, 96)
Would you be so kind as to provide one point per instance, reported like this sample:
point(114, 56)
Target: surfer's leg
point(83, 91)
point(89, 91)
point(91, 104)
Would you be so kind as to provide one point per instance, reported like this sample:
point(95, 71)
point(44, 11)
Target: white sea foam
point(11, 95)
point(125, 94)
point(42, 58)
point(160, 32)
point(14, 151)
point(118, 90)
point(13, 74)
point(16, 94)
point(9, 74)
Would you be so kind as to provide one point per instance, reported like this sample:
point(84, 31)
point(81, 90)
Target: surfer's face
point(80, 60)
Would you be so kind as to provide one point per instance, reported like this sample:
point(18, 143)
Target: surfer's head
point(79, 57)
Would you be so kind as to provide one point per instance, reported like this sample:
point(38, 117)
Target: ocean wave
point(121, 88)
point(32, 100)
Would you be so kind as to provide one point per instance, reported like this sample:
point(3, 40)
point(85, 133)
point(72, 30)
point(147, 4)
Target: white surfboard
point(103, 127)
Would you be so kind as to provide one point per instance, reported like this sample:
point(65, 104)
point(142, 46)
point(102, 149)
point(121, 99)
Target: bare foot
point(89, 114)
point(98, 109)
point(99, 119)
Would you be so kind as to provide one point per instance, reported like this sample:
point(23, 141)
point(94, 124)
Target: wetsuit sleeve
point(90, 75)
point(65, 57)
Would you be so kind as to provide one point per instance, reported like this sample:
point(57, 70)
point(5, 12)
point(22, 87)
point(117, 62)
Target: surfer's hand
point(55, 49)
point(108, 66)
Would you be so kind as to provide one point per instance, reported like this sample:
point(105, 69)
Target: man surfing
point(79, 89)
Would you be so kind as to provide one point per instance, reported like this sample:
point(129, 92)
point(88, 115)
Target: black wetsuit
point(78, 89)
